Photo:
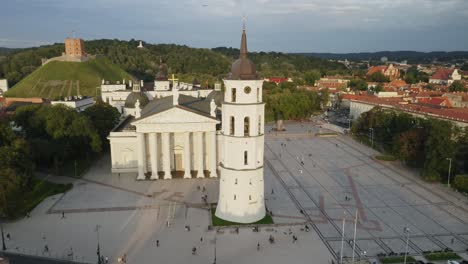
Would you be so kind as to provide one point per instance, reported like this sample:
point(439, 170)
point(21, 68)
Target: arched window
point(246, 126)
point(232, 127)
point(259, 124)
point(234, 196)
point(258, 94)
point(233, 95)
point(235, 182)
point(250, 197)
point(245, 158)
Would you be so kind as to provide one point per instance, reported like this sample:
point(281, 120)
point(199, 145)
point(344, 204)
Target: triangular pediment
point(176, 115)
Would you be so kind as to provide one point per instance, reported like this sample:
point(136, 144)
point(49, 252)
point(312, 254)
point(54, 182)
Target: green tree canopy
point(457, 86)
point(358, 85)
point(378, 77)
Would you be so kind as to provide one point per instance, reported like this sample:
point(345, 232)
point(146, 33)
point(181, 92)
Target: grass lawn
point(441, 256)
point(57, 79)
point(220, 222)
point(36, 194)
point(386, 157)
point(397, 259)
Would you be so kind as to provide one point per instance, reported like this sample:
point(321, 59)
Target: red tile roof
point(277, 79)
point(456, 114)
point(375, 69)
point(442, 74)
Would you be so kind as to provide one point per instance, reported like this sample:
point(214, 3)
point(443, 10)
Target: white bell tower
point(241, 193)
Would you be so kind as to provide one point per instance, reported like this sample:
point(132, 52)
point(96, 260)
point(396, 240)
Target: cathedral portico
point(169, 139)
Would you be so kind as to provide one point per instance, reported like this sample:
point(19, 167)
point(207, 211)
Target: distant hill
point(205, 65)
point(7, 50)
point(57, 79)
point(410, 56)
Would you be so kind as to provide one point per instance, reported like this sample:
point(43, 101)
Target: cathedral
point(182, 131)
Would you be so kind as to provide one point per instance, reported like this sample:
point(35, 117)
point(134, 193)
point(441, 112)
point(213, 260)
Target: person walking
point(157, 243)
point(63, 214)
point(258, 246)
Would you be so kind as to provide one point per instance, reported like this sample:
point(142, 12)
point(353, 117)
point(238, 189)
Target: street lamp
point(214, 261)
point(98, 248)
point(407, 231)
point(450, 167)
point(3, 237)
point(371, 135)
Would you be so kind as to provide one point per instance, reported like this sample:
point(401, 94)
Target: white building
point(79, 103)
point(3, 86)
point(445, 76)
point(170, 133)
point(116, 94)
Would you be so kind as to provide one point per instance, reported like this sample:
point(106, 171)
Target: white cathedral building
point(186, 132)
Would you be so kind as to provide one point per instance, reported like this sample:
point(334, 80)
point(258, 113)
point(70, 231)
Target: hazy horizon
point(290, 26)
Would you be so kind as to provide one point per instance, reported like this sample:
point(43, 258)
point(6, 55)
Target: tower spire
point(243, 49)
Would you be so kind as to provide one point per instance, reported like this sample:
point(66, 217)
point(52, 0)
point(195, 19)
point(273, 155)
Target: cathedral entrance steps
point(178, 174)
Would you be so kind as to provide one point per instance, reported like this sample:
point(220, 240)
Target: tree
point(358, 85)
point(410, 147)
point(438, 147)
point(103, 117)
point(457, 86)
point(378, 77)
point(310, 77)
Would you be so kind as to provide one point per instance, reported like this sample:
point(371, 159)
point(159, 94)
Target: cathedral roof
point(133, 97)
point(243, 68)
point(194, 104)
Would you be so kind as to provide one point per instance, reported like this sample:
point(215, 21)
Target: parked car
point(452, 262)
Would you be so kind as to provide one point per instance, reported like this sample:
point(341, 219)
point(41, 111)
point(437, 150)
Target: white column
point(199, 145)
point(141, 156)
point(212, 154)
point(154, 155)
point(166, 149)
point(187, 155)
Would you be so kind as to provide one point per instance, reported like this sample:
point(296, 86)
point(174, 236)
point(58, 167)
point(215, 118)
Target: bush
point(441, 256)
point(431, 175)
point(461, 183)
point(386, 157)
point(398, 259)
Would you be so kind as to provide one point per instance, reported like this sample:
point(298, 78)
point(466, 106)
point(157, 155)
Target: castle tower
point(241, 187)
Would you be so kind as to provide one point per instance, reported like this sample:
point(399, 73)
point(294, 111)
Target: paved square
point(307, 179)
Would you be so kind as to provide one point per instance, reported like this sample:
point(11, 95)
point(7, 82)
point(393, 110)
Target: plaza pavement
point(132, 215)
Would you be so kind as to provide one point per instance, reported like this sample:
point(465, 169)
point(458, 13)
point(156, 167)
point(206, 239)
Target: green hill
point(58, 79)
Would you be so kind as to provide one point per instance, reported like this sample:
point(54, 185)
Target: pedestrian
point(201, 239)
point(106, 260)
point(194, 251)
point(258, 246)
point(124, 258)
point(157, 243)
point(272, 191)
point(63, 214)
point(8, 236)
point(204, 189)
point(46, 249)
point(28, 215)
point(198, 187)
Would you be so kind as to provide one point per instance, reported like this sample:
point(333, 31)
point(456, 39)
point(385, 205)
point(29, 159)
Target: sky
point(337, 26)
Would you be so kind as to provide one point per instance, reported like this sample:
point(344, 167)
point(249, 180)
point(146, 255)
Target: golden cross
point(243, 22)
point(173, 79)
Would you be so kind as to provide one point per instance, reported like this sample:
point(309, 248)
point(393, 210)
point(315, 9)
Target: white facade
point(241, 188)
point(3, 85)
point(167, 143)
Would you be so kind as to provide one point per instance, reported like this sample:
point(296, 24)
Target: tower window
point(232, 127)
point(235, 182)
point(246, 126)
point(259, 124)
point(258, 94)
point(233, 95)
point(250, 182)
point(245, 158)
point(234, 196)
point(250, 197)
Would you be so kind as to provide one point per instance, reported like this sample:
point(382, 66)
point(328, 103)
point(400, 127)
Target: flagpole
point(354, 239)
point(342, 237)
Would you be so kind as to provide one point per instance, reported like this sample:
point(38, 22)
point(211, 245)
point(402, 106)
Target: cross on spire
point(243, 22)
point(173, 79)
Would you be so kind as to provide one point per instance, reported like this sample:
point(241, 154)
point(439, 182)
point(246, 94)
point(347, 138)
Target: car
point(452, 262)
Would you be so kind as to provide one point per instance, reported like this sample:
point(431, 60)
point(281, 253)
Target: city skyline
point(286, 26)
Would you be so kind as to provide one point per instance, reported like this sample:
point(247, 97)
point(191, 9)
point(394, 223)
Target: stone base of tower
point(241, 197)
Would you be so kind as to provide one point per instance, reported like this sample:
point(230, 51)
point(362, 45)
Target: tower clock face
point(247, 90)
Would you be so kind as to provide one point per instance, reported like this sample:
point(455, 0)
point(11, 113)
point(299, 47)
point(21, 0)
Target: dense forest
point(205, 65)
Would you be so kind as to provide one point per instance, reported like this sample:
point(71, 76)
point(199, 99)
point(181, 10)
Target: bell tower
point(241, 193)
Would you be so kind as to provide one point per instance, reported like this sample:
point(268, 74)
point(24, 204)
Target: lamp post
point(449, 168)
point(371, 135)
point(98, 248)
point(214, 261)
point(3, 237)
point(407, 231)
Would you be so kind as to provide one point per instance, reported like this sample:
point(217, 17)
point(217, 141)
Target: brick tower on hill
point(74, 47)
